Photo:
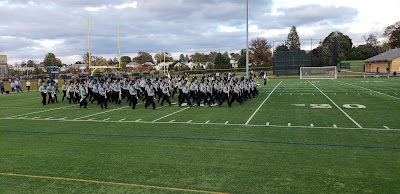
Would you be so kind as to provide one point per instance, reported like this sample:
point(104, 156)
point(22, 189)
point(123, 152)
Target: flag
point(167, 54)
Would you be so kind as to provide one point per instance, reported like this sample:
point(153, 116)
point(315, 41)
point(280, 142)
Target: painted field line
point(43, 111)
point(122, 119)
point(311, 125)
point(171, 121)
point(106, 183)
point(106, 119)
point(251, 117)
point(101, 113)
point(348, 116)
point(170, 114)
point(267, 124)
point(386, 127)
point(218, 124)
point(226, 122)
point(138, 120)
point(289, 124)
point(335, 126)
point(370, 90)
point(189, 121)
point(207, 121)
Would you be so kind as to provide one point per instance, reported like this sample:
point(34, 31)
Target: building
point(3, 67)
point(389, 60)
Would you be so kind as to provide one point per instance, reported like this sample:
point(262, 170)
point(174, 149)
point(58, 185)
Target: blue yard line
point(205, 139)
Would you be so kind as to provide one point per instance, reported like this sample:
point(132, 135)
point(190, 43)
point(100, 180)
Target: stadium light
point(247, 38)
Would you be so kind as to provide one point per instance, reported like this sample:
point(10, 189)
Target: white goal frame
point(327, 72)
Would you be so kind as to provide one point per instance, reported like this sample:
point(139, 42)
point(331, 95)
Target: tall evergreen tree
point(293, 40)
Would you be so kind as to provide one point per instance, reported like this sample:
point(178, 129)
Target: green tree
point(182, 58)
point(392, 33)
point(143, 57)
point(30, 63)
point(293, 40)
point(51, 60)
point(242, 59)
point(101, 61)
point(326, 49)
point(222, 62)
point(281, 47)
point(260, 51)
point(124, 61)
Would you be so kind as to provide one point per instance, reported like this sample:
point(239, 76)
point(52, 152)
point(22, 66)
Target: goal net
point(328, 72)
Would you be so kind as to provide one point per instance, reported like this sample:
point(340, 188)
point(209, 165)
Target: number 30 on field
point(352, 106)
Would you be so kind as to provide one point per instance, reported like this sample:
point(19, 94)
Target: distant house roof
point(386, 56)
point(133, 65)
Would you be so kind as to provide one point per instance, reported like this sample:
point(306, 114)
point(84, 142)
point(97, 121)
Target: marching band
point(209, 90)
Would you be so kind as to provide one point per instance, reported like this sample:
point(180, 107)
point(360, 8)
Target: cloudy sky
point(31, 28)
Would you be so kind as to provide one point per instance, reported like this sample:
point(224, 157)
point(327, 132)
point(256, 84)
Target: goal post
point(327, 72)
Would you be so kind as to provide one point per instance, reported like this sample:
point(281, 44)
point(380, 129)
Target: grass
point(206, 154)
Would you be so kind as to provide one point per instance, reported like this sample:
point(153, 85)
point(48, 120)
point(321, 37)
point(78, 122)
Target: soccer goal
point(328, 72)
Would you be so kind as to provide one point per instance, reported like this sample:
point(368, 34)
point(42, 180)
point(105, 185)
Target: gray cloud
point(154, 26)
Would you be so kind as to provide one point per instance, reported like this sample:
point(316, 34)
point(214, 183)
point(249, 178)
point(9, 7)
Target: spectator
point(28, 84)
point(18, 86)
point(12, 85)
point(2, 87)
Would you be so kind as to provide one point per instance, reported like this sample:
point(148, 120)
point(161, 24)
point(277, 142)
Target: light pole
point(247, 38)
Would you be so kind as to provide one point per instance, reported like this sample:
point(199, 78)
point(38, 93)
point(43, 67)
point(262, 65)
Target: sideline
point(107, 183)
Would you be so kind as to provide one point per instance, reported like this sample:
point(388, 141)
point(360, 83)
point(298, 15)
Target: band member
point(43, 91)
point(103, 96)
point(185, 96)
point(225, 94)
point(166, 94)
point(71, 92)
point(193, 91)
point(50, 92)
point(95, 93)
point(64, 89)
point(202, 94)
point(132, 96)
point(83, 92)
point(150, 96)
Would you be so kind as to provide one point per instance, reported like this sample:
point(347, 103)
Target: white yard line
point(370, 90)
point(348, 116)
point(101, 113)
point(386, 127)
point(251, 117)
point(192, 123)
point(43, 111)
point(170, 114)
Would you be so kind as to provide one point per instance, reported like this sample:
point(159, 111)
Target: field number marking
point(347, 115)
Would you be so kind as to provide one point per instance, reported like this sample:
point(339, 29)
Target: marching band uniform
point(83, 93)
point(165, 97)
point(50, 91)
point(64, 88)
point(71, 92)
point(150, 96)
point(133, 96)
point(103, 95)
point(43, 91)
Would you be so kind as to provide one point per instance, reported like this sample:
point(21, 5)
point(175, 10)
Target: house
point(132, 65)
point(389, 60)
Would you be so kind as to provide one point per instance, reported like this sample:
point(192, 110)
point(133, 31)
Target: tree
point(51, 60)
point(124, 61)
point(293, 40)
point(182, 58)
point(261, 51)
point(143, 57)
point(235, 56)
point(30, 63)
point(101, 61)
point(85, 58)
point(281, 47)
point(160, 57)
point(334, 42)
point(222, 62)
point(392, 33)
point(242, 59)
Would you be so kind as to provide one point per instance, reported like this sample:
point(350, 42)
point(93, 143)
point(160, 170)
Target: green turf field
point(297, 136)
